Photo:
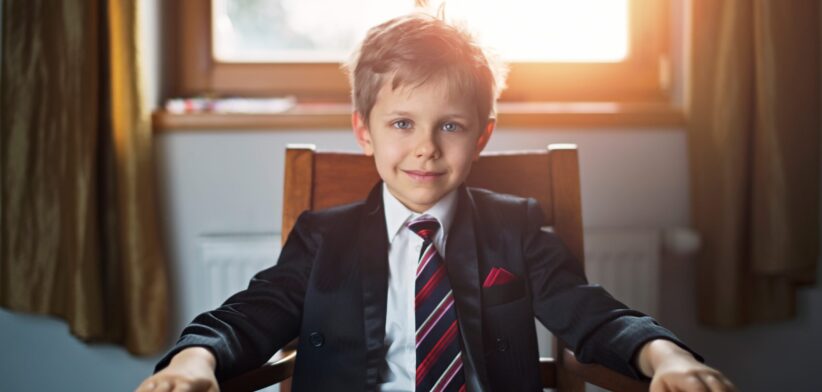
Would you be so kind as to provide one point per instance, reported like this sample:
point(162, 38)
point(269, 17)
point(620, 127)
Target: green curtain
point(79, 234)
point(754, 139)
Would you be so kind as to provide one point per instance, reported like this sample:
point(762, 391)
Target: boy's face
point(423, 140)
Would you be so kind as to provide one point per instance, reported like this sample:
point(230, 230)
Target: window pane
point(296, 30)
point(327, 30)
point(547, 30)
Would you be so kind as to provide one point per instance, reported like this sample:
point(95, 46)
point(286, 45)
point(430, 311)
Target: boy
point(426, 285)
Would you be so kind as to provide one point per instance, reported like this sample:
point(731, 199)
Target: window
point(293, 31)
point(632, 68)
point(288, 31)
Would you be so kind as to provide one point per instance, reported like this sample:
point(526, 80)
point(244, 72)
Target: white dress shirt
point(403, 253)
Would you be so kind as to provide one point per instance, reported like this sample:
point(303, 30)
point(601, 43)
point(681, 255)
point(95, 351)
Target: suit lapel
point(462, 265)
point(372, 244)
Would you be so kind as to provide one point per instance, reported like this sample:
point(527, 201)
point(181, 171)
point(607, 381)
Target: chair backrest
point(317, 180)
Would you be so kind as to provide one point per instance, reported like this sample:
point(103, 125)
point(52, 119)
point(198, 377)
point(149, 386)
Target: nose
point(427, 146)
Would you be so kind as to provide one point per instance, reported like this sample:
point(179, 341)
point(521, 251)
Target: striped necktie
point(439, 362)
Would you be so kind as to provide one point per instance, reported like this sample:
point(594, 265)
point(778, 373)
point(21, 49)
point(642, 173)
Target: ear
point(484, 137)
point(362, 134)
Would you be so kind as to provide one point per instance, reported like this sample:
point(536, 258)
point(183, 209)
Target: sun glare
point(547, 30)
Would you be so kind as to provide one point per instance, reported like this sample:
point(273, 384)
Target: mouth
point(422, 175)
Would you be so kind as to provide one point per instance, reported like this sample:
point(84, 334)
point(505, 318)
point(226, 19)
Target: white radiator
point(627, 264)
point(230, 260)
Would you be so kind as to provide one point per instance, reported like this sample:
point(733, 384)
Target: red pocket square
point(498, 276)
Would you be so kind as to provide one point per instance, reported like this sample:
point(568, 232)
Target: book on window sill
point(230, 105)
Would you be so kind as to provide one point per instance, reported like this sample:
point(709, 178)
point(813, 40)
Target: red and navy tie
point(439, 362)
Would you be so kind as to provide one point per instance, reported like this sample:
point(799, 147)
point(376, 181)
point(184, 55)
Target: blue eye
point(401, 124)
point(450, 127)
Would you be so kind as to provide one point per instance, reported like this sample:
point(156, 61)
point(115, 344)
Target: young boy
point(426, 285)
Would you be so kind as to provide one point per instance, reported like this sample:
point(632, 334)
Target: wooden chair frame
point(316, 180)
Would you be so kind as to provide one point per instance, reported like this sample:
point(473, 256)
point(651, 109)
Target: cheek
point(389, 154)
point(462, 155)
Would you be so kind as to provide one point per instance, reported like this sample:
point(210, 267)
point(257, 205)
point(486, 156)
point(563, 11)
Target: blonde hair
point(416, 48)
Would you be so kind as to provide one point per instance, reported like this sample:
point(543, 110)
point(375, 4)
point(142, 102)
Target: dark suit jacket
point(330, 284)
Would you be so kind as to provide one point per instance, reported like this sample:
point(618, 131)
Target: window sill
point(533, 115)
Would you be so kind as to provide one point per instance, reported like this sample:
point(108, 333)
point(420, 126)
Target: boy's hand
point(674, 369)
point(191, 370)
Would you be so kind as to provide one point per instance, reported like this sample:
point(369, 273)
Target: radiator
point(625, 262)
point(230, 260)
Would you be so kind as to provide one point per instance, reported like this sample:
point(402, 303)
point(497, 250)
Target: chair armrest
point(591, 373)
point(278, 368)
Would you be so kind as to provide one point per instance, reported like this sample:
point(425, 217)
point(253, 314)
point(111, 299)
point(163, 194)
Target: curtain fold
point(754, 143)
point(79, 234)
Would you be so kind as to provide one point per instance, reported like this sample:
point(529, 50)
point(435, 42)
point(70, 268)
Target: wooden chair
point(317, 180)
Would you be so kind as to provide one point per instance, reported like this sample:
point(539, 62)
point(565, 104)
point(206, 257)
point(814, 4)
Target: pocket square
point(498, 276)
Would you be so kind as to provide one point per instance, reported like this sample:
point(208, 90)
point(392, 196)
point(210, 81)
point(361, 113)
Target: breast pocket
point(503, 293)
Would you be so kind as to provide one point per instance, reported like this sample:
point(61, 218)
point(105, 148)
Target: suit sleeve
point(250, 326)
point(593, 324)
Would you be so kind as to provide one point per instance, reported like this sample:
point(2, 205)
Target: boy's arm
point(597, 327)
point(251, 325)
point(673, 369)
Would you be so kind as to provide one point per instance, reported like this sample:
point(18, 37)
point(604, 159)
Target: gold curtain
point(78, 229)
point(754, 138)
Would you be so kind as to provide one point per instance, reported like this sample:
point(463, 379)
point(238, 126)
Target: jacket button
point(317, 339)
point(502, 344)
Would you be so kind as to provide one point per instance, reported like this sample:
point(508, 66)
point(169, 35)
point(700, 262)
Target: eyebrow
point(403, 113)
point(398, 113)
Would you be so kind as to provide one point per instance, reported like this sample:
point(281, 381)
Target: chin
point(428, 202)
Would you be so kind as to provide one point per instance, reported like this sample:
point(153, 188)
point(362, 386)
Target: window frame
point(644, 76)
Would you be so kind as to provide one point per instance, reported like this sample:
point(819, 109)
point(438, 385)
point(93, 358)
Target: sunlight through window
point(296, 30)
point(547, 30)
point(327, 30)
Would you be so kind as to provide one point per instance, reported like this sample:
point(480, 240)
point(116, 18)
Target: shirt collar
point(397, 214)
